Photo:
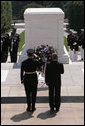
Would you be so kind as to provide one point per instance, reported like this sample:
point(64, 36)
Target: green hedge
point(65, 43)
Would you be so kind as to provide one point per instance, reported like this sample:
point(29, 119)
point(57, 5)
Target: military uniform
point(53, 73)
point(73, 44)
point(75, 52)
point(2, 56)
point(75, 48)
point(81, 44)
point(4, 47)
point(14, 42)
point(70, 41)
point(30, 80)
point(82, 48)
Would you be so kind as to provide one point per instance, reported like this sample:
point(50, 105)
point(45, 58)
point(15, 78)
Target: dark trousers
point(54, 95)
point(4, 56)
point(31, 92)
point(13, 57)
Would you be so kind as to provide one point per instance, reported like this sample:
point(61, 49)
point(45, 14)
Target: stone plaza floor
point(13, 100)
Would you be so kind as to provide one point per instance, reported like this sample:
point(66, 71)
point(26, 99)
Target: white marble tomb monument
point(44, 26)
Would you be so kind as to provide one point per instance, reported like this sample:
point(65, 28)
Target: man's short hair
point(30, 52)
point(54, 56)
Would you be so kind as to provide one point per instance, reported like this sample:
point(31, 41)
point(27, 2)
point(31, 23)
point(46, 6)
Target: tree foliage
point(75, 14)
point(28, 6)
point(6, 15)
point(19, 6)
point(74, 11)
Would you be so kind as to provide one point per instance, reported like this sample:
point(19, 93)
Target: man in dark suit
point(4, 47)
point(30, 79)
point(14, 43)
point(53, 72)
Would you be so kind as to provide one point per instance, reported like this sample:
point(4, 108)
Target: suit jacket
point(14, 43)
point(30, 65)
point(69, 39)
point(53, 72)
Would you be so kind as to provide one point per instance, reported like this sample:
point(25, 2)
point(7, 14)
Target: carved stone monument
point(44, 26)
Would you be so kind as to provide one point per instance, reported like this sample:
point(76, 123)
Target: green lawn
point(65, 43)
point(22, 41)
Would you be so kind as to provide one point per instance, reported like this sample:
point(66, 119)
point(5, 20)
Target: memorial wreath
point(43, 52)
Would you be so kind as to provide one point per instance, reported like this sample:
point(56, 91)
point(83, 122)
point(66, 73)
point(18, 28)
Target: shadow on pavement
point(21, 116)
point(46, 115)
point(42, 89)
point(16, 66)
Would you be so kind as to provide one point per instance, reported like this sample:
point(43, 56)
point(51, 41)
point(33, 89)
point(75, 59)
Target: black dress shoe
point(57, 110)
point(33, 109)
point(28, 109)
point(51, 110)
